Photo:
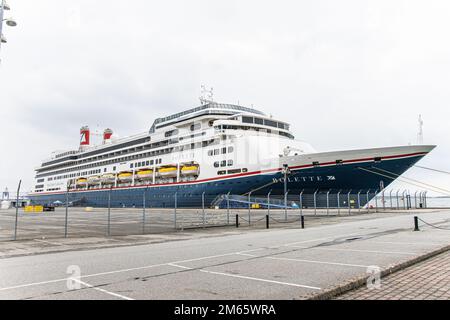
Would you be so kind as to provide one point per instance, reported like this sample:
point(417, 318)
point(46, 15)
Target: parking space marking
point(308, 261)
point(101, 290)
point(260, 279)
point(178, 266)
point(407, 243)
point(318, 262)
point(358, 250)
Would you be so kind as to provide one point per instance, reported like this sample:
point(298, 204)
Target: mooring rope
point(436, 170)
point(447, 193)
point(426, 184)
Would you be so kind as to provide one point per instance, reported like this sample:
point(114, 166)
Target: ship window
point(216, 152)
point(114, 168)
point(210, 152)
point(232, 171)
point(224, 150)
point(244, 169)
point(221, 172)
point(230, 162)
point(259, 121)
point(131, 165)
point(316, 164)
point(195, 126)
point(377, 159)
point(223, 163)
point(247, 119)
point(230, 149)
point(270, 123)
point(216, 164)
point(338, 161)
point(147, 163)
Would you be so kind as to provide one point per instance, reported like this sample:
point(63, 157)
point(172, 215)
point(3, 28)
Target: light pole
point(9, 21)
point(286, 171)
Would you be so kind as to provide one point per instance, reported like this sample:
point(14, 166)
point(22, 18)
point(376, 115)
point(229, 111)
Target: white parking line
point(309, 261)
point(406, 243)
point(260, 279)
point(102, 290)
point(357, 250)
point(318, 262)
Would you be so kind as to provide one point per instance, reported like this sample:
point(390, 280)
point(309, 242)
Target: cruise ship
point(208, 151)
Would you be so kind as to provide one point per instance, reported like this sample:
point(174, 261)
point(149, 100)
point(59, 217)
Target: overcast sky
point(345, 74)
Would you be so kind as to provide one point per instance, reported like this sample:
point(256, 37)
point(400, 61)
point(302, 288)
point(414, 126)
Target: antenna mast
point(206, 96)
point(420, 133)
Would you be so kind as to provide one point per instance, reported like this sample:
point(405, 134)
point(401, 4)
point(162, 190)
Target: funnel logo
point(84, 136)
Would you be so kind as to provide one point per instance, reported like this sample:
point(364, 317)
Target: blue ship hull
point(354, 177)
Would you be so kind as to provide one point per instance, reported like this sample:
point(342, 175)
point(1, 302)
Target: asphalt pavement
point(257, 264)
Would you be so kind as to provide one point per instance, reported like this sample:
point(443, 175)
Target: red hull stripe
point(239, 174)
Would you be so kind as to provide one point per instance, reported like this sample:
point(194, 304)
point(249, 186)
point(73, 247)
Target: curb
point(360, 281)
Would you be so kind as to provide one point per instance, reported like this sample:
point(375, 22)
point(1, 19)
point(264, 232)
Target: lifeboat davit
point(125, 176)
point(144, 174)
point(108, 178)
point(191, 170)
point(168, 172)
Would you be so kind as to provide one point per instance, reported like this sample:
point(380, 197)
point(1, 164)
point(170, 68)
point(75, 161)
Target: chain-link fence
point(249, 210)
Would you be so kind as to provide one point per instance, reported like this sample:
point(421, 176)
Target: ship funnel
point(84, 137)
point(107, 133)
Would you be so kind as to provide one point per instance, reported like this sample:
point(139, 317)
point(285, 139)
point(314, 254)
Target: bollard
point(237, 221)
point(416, 223)
point(267, 221)
point(302, 219)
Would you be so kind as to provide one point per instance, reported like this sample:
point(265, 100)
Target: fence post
point(376, 200)
point(301, 204)
point(237, 221)
point(203, 208)
point(396, 197)
point(390, 199)
point(143, 211)
point(367, 200)
point(404, 199)
point(268, 203)
point(328, 202)
point(348, 200)
point(285, 205)
point(339, 202)
point(383, 200)
point(67, 211)
point(315, 202)
point(415, 200)
point(249, 206)
point(109, 211)
point(228, 208)
point(359, 201)
point(425, 199)
point(175, 211)
point(267, 221)
point(17, 211)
